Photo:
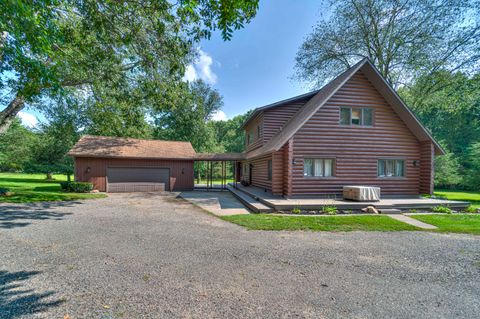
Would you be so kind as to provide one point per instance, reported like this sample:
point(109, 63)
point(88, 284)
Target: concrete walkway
point(411, 221)
point(218, 203)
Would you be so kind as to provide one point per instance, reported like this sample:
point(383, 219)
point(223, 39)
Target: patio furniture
point(361, 193)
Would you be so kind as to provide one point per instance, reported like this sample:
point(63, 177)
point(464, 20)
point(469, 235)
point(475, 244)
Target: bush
point(76, 187)
point(442, 209)
point(330, 210)
point(471, 209)
point(296, 210)
point(6, 192)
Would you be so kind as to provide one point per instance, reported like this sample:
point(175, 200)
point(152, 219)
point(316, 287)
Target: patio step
point(251, 203)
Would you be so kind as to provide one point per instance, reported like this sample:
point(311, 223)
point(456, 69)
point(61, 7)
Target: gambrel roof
point(320, 97)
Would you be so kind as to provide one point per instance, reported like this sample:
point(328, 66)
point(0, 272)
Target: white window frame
point(362, 116)
point(393, 162)
point(321, 162)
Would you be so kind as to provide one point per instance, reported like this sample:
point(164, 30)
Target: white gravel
point(148, 256)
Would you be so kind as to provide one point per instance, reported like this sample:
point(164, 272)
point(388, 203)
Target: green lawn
point(473, 197)
point(34, 188)
point(457, 223)
point(318, 223)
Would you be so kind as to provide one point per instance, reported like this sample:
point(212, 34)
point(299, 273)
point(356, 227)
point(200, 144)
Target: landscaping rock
point(370, 210)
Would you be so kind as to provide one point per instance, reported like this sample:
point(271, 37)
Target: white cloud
point(28, 119)
point(219, 116)
point(201, 69)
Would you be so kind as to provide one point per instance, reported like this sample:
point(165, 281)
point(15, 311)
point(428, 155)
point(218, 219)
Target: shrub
point(76, 187)
point(471, 209)
point(442, 209)
point(296, 210)
point(330, 210)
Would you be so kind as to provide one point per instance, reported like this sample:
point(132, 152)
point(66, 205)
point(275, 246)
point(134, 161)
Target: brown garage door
point(137, 179)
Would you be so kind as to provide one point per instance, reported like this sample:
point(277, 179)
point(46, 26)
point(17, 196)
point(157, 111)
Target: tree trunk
point(9, 113)
point(69, 177)
point(49, 177)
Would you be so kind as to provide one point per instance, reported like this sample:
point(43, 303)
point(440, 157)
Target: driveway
point(151, 256)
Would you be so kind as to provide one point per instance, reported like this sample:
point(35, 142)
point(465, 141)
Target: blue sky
point(255, 67)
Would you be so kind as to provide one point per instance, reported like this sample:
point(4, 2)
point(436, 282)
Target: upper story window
point(258, 131)
point(391, 168)
point(356, 116)
point(250, 138)
point(313, 167)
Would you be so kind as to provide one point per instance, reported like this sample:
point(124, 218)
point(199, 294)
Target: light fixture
point(294, 161)
point(415, 163)
point(88, 169)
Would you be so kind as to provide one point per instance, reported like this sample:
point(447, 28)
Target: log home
point(354, 131)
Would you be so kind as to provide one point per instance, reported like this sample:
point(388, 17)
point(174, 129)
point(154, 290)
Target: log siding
point(356, 149)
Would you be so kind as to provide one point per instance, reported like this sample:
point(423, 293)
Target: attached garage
point(115, 164)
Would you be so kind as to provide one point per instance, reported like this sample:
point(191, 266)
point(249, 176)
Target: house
point(354, 131)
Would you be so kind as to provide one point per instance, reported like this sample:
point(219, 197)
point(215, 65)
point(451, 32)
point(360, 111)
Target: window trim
point(395, 168)
point(334, 167)
point(362, 117)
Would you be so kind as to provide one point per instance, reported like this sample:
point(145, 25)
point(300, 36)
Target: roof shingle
point(119, 147)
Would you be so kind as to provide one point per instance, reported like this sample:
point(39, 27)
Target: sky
point(255, 67)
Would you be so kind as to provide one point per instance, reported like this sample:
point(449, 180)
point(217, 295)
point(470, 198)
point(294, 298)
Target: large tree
point(188, 120)
point(403, 38)
point(100, 45)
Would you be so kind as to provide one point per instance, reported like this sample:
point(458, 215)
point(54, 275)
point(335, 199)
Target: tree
point(229, 133)
point(188, 121)
point(447, 171)
point(472, 167)
point(15, 147)
point(99, 45)
point(404, 39)
point(452, 113)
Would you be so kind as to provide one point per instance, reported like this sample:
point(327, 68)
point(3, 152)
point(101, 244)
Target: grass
point(318, 223)
point(472, 197)
point(457, 223)
point(34, 188)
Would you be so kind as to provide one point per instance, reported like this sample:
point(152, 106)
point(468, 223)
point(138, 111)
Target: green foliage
point(76, 187)
point(296, 210)
point(447, 171)
point(329, 209)
point(4, 191)
point(404, 39)
point(114, 53)
point(230, 133)
point(471, 209)
point(442, 209)
point(15, 147)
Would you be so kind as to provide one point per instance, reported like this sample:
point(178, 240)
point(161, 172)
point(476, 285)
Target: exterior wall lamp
point(416, 163)
point(88, 169)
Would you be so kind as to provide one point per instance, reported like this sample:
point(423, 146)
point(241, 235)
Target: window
point(356, 116)
point(318, 167)
point(258, 131)
point(391, 168)
point(269, 170)
point(249, 138)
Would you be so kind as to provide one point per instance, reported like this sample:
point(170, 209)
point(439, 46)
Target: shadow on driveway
point(12, 216)
point(17, 301)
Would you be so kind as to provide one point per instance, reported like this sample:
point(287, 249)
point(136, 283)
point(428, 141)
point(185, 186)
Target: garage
point(137, 179)
point(117, 164)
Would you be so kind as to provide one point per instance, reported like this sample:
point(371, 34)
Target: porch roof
point(219, 156)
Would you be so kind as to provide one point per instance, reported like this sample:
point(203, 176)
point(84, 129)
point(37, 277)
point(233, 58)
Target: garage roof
point(119, 147)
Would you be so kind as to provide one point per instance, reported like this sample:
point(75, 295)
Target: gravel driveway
point(151, 256)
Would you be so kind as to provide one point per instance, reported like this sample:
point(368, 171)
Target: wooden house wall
point(355, 149)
